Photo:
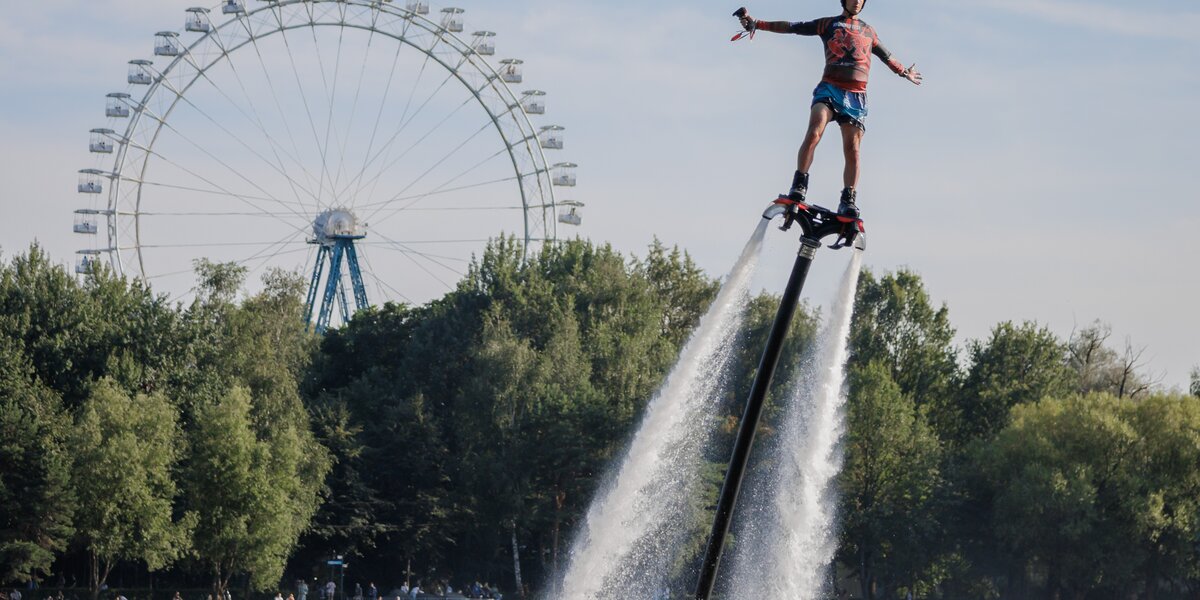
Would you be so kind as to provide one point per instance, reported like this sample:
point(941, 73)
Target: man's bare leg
point(851, 145)
point(818, 118)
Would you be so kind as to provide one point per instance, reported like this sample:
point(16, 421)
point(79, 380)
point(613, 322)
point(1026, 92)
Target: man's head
point(853, 7)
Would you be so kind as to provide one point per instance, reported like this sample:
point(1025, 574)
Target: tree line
point(1021, 466)
point(139, 432)
point(217, 442)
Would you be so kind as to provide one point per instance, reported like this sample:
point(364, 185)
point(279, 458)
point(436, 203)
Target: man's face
point(854, 6)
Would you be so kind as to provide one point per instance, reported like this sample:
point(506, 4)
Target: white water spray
point(790, 542)
point(634, 526)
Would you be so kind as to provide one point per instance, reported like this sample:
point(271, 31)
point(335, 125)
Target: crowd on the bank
point(419, 590)
point(441, 589)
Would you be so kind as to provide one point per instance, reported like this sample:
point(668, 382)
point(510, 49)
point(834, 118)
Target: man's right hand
point(747, 21)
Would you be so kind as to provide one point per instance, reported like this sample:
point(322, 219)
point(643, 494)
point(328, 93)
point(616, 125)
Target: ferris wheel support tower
point(334, 232)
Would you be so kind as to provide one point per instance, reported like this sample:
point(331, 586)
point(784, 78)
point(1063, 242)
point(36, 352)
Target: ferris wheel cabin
point(563, 174)
point(87, 261)
point(510, 70)
point(419, 7)
point(139, 72)
point(571, 215)
point(484, 44)
point(453, 20)
point(91, 181)
point(117, 105)
point(197, 20)
point(101, 142)
point(166, 43)
point(233, 7)
point(551, 137)
point(85, 221)
point(533, 102)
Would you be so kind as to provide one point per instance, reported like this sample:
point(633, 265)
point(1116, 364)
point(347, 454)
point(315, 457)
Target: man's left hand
point(913, 75)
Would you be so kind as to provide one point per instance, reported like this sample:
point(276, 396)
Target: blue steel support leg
point(342, 300)
point(331, 286)
point(360, 291)
point(318, 269)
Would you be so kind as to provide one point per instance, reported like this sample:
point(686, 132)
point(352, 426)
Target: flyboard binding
point(818, 222)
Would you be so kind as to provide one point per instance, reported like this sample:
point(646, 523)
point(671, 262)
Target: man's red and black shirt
point(849, 44)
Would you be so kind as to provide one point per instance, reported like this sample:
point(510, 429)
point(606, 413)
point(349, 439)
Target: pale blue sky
point(1046, 170)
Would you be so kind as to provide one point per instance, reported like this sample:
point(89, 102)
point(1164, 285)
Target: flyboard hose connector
point(808, 248)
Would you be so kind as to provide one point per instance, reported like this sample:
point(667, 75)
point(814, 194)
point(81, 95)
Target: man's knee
point(851, 138)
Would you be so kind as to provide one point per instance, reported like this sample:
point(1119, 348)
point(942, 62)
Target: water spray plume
point(792, 539)
point(634, 528)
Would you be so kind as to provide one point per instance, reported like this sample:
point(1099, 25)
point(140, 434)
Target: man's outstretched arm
point(798, 28)
point(893, 63)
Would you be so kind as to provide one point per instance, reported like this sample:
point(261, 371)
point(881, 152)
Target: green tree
point(139, 342)
point(125, 451)
point(51, 316)
point(36, 500)
point(1165, 504)
point(1016, 365)
point(1060, 474)
point(248, 360)
point(75, 333)
point(60, 336)
point(1099, 495)
point(350, 518)
point(378, 388)
point(1195, 387)
point(684, 289)
point(888, 486)
point(389, 493)
point(427, 506)
point(491, 413)
point(246, 491)
point(896, 325)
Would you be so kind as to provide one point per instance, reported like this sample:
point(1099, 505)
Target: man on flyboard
point(842, 94)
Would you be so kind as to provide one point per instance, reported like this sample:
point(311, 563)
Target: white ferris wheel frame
point(460, 58)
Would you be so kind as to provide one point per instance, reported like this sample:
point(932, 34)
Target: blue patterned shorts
point(847, 107)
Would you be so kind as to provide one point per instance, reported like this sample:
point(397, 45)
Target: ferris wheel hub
point(336, 224)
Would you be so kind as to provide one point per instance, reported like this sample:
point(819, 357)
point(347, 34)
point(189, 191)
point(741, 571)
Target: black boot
point(848, 208)
point(799, 187)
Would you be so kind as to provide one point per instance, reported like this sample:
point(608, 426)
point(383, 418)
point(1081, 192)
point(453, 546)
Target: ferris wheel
point(368, 144)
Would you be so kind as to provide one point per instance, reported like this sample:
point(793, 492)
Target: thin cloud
point(1108, 19)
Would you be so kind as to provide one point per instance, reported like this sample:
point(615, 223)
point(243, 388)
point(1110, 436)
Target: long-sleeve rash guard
point(849, 44)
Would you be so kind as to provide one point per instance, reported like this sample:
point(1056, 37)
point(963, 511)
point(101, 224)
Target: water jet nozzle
point(774, 210)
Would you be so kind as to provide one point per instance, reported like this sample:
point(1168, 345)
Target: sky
point(1045, 171)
